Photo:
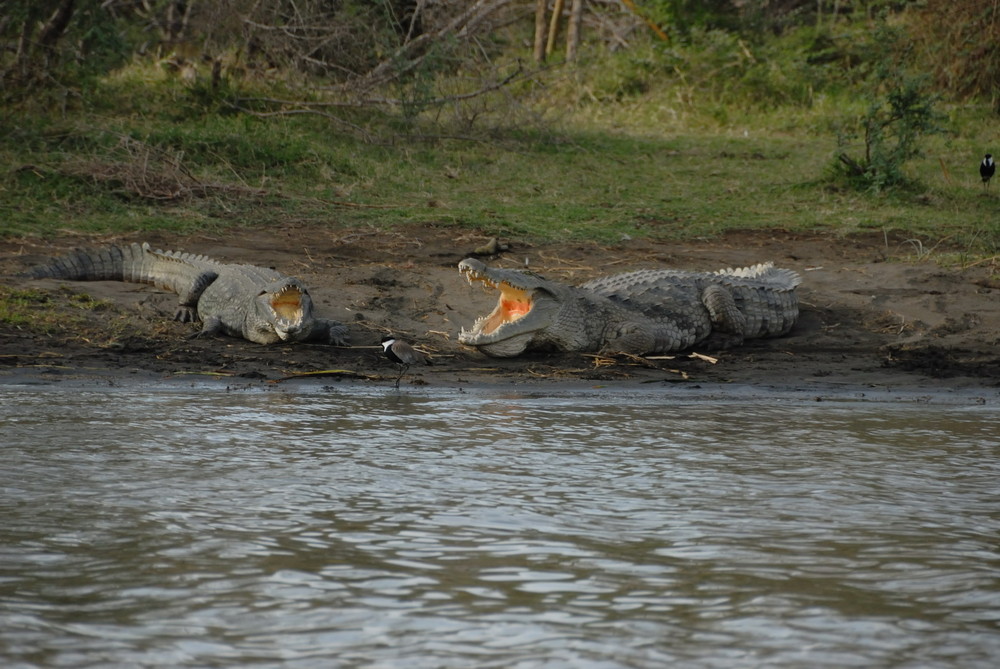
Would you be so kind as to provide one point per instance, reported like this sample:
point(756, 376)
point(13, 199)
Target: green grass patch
point(643, 145)
point(27, 308)
point(38, 310)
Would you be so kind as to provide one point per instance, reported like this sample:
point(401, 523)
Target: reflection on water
point(373, 528)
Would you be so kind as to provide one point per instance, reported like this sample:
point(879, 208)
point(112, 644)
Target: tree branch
point(56, 25)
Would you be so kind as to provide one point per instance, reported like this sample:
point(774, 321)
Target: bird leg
point(402, 370)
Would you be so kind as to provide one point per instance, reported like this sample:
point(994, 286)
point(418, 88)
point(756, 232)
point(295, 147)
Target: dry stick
point(539, 52)
point(307, 107)
point(54, 28)
point(356, 205)
point(288, 112)
point(413, 19)
point(944, 171)
point(496, 85)
point(573, 29)
point(980, 262)
point(460, 26)
point(554, 27)
point(652, 26)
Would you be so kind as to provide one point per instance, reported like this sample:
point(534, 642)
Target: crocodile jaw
point(284, 310)
point(515, 320)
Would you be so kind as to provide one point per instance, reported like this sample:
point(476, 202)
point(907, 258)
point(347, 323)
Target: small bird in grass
point(986, 170)
point(402, 354)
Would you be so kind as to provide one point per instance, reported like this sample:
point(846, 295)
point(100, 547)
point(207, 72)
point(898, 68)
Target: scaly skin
point(648, 311)
point(255, 303)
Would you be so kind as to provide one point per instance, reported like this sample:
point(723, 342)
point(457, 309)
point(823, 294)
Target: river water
point(359, 527)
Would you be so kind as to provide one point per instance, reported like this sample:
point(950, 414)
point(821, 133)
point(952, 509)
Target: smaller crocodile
point(647, 311)
point(255, 303)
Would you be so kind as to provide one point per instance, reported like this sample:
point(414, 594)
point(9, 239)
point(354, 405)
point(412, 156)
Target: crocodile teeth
point(472, 277)
point(287, 304)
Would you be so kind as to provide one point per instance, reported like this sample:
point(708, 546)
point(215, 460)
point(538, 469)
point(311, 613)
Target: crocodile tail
point(136, 263)
point(111, 263)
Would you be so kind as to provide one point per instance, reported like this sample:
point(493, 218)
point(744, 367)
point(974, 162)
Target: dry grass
point(139, 170)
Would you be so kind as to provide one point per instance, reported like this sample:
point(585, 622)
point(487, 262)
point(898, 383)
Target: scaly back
point(775, 278)
point(763, 275)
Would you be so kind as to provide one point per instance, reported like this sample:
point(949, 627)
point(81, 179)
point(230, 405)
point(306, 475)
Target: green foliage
point(900, 113)
point(625, 75)
point(20, 307)
point(712, 132)
point(87, 302)
point(416, 84)
point(93, 42)
point(687, 15)
point(579, 184)
point(720, 69)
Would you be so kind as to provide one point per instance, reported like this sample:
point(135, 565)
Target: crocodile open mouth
point(287, 304)
point(513, 304)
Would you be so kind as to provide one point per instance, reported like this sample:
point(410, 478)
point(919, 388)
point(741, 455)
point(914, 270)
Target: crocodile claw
point(186, 314)
point(338, 335)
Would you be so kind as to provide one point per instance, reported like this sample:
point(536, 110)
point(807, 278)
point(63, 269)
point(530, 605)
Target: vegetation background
point(588, 119)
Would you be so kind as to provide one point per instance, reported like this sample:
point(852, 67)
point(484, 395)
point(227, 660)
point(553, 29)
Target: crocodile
point(643, 312)
point(255, 303)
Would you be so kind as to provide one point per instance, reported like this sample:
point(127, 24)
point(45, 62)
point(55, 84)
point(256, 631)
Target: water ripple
point(456, 530)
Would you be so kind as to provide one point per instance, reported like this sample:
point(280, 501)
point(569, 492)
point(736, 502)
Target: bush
point(900, 112)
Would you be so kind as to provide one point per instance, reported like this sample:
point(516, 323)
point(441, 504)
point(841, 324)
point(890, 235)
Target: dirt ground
point(872, 316)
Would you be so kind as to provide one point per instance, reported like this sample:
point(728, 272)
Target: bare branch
point(56, 25)
point(460, 26)
point(314, 107)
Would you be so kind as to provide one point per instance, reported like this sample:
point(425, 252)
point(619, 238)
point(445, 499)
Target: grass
point(20, 307)
point(39, 311)
point(645, 164)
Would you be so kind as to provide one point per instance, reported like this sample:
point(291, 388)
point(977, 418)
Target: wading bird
point(986, 170)
point(402, 354)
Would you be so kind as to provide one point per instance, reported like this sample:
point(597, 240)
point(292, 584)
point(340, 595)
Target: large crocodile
point(647, 311)
point(255, 303)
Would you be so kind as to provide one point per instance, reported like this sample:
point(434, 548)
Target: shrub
point(900, 112)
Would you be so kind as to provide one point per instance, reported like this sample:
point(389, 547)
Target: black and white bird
point(986, 170)
point(402, 354)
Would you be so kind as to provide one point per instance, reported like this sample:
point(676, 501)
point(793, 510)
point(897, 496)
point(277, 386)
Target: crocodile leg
point(210, 326)
point(187, 302)
point(630, 337)
point(728, 322)
point(327, 331)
